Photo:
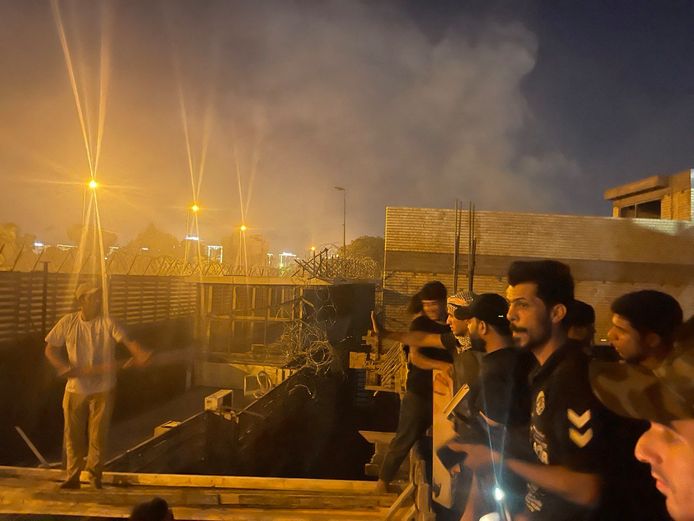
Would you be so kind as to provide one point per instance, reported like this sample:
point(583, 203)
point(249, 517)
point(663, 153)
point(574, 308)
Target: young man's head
point(580, 323)
point(644, 324)
point(433, 298)
point(665, 396)
point(89, 299)
point(539, 294)
point(457, 312)
point(487, 322)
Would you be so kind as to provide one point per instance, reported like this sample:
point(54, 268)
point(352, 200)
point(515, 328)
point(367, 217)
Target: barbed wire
point(122, 263)
point(330, 266)
point(304, 341)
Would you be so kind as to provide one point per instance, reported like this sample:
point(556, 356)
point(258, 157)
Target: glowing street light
point(92, 184)
point(313, 248)
point(243, 228)
point(195, 208)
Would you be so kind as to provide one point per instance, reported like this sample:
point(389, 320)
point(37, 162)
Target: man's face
point(434, 309)
point(530, 320)
point(669, 450)
point(458, 327)
point(90, 304)
point(476, 336)
point(625, 339)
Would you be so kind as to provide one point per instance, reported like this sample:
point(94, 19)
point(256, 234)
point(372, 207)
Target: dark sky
point(516, 105)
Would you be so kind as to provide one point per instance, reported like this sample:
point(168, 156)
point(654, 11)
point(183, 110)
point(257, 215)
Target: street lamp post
point(344, 219)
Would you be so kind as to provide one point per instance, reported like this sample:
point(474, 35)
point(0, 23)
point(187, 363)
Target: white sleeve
point(56, 336)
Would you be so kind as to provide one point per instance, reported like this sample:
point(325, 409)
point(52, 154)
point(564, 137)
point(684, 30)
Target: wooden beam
point(196, 480)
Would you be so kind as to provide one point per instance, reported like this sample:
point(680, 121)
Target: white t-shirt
point(89, 343)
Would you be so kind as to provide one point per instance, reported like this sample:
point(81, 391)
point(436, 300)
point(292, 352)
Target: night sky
point(517, 106)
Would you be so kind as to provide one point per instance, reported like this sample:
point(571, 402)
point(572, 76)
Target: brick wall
point(608, 256)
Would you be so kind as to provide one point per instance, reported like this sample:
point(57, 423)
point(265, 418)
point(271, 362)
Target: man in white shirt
point(90, 339)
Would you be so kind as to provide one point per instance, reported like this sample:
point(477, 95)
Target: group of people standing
point(548, 425)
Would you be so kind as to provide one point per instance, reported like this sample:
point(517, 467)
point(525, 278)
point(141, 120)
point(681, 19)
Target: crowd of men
point(549, 425)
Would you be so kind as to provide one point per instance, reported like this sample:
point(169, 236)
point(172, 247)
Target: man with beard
point(500, 405)
point(416, 405)
point(566, 432)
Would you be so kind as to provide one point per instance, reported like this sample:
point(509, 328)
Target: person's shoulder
point(68, 319)
point(570, 379)
point(574, 360)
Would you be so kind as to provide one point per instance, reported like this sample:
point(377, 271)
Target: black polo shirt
point(566, 429)
point(419, 381)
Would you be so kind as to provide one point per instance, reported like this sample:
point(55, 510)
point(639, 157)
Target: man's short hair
point(415, 304)
point(650, 311)
point(433, 290)
point(553, 279)
point(580, 314)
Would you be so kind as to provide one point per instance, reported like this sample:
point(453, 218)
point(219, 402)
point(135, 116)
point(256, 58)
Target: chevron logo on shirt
point(578, 420)
point(581, 440)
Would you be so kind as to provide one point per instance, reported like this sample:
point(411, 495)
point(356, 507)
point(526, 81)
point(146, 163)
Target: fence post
point(44, 299)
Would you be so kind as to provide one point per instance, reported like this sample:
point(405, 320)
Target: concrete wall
point(608, 256)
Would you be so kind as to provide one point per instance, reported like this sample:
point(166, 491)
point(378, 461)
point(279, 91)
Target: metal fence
point(32, 302)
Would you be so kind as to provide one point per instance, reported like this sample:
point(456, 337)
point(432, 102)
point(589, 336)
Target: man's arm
point(53, 355)
point(578, 487)
point(424, 362)
point(411, 338)
point(140, 355)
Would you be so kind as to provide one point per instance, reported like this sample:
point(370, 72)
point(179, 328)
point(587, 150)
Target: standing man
point(90, 369)
point(566, 433)
point(416, 405)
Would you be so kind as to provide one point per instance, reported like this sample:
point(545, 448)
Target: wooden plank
point(202, 481)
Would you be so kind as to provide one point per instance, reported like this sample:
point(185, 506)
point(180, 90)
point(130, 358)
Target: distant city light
point(144, 248)
point(93, 184)
point(192, 238)
point(38, 244)
point(195, 208)
point(243, 228)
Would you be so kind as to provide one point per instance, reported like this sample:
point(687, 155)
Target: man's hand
point(443, 383)
point(478, 457)
point(141, 359)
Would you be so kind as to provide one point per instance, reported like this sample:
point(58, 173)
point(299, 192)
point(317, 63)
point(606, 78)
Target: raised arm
point(411, 338)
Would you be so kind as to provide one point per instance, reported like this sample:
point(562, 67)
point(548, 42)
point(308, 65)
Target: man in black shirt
point(644, 324)
point(566, 432)
point(416, 405)
point(663, 396)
